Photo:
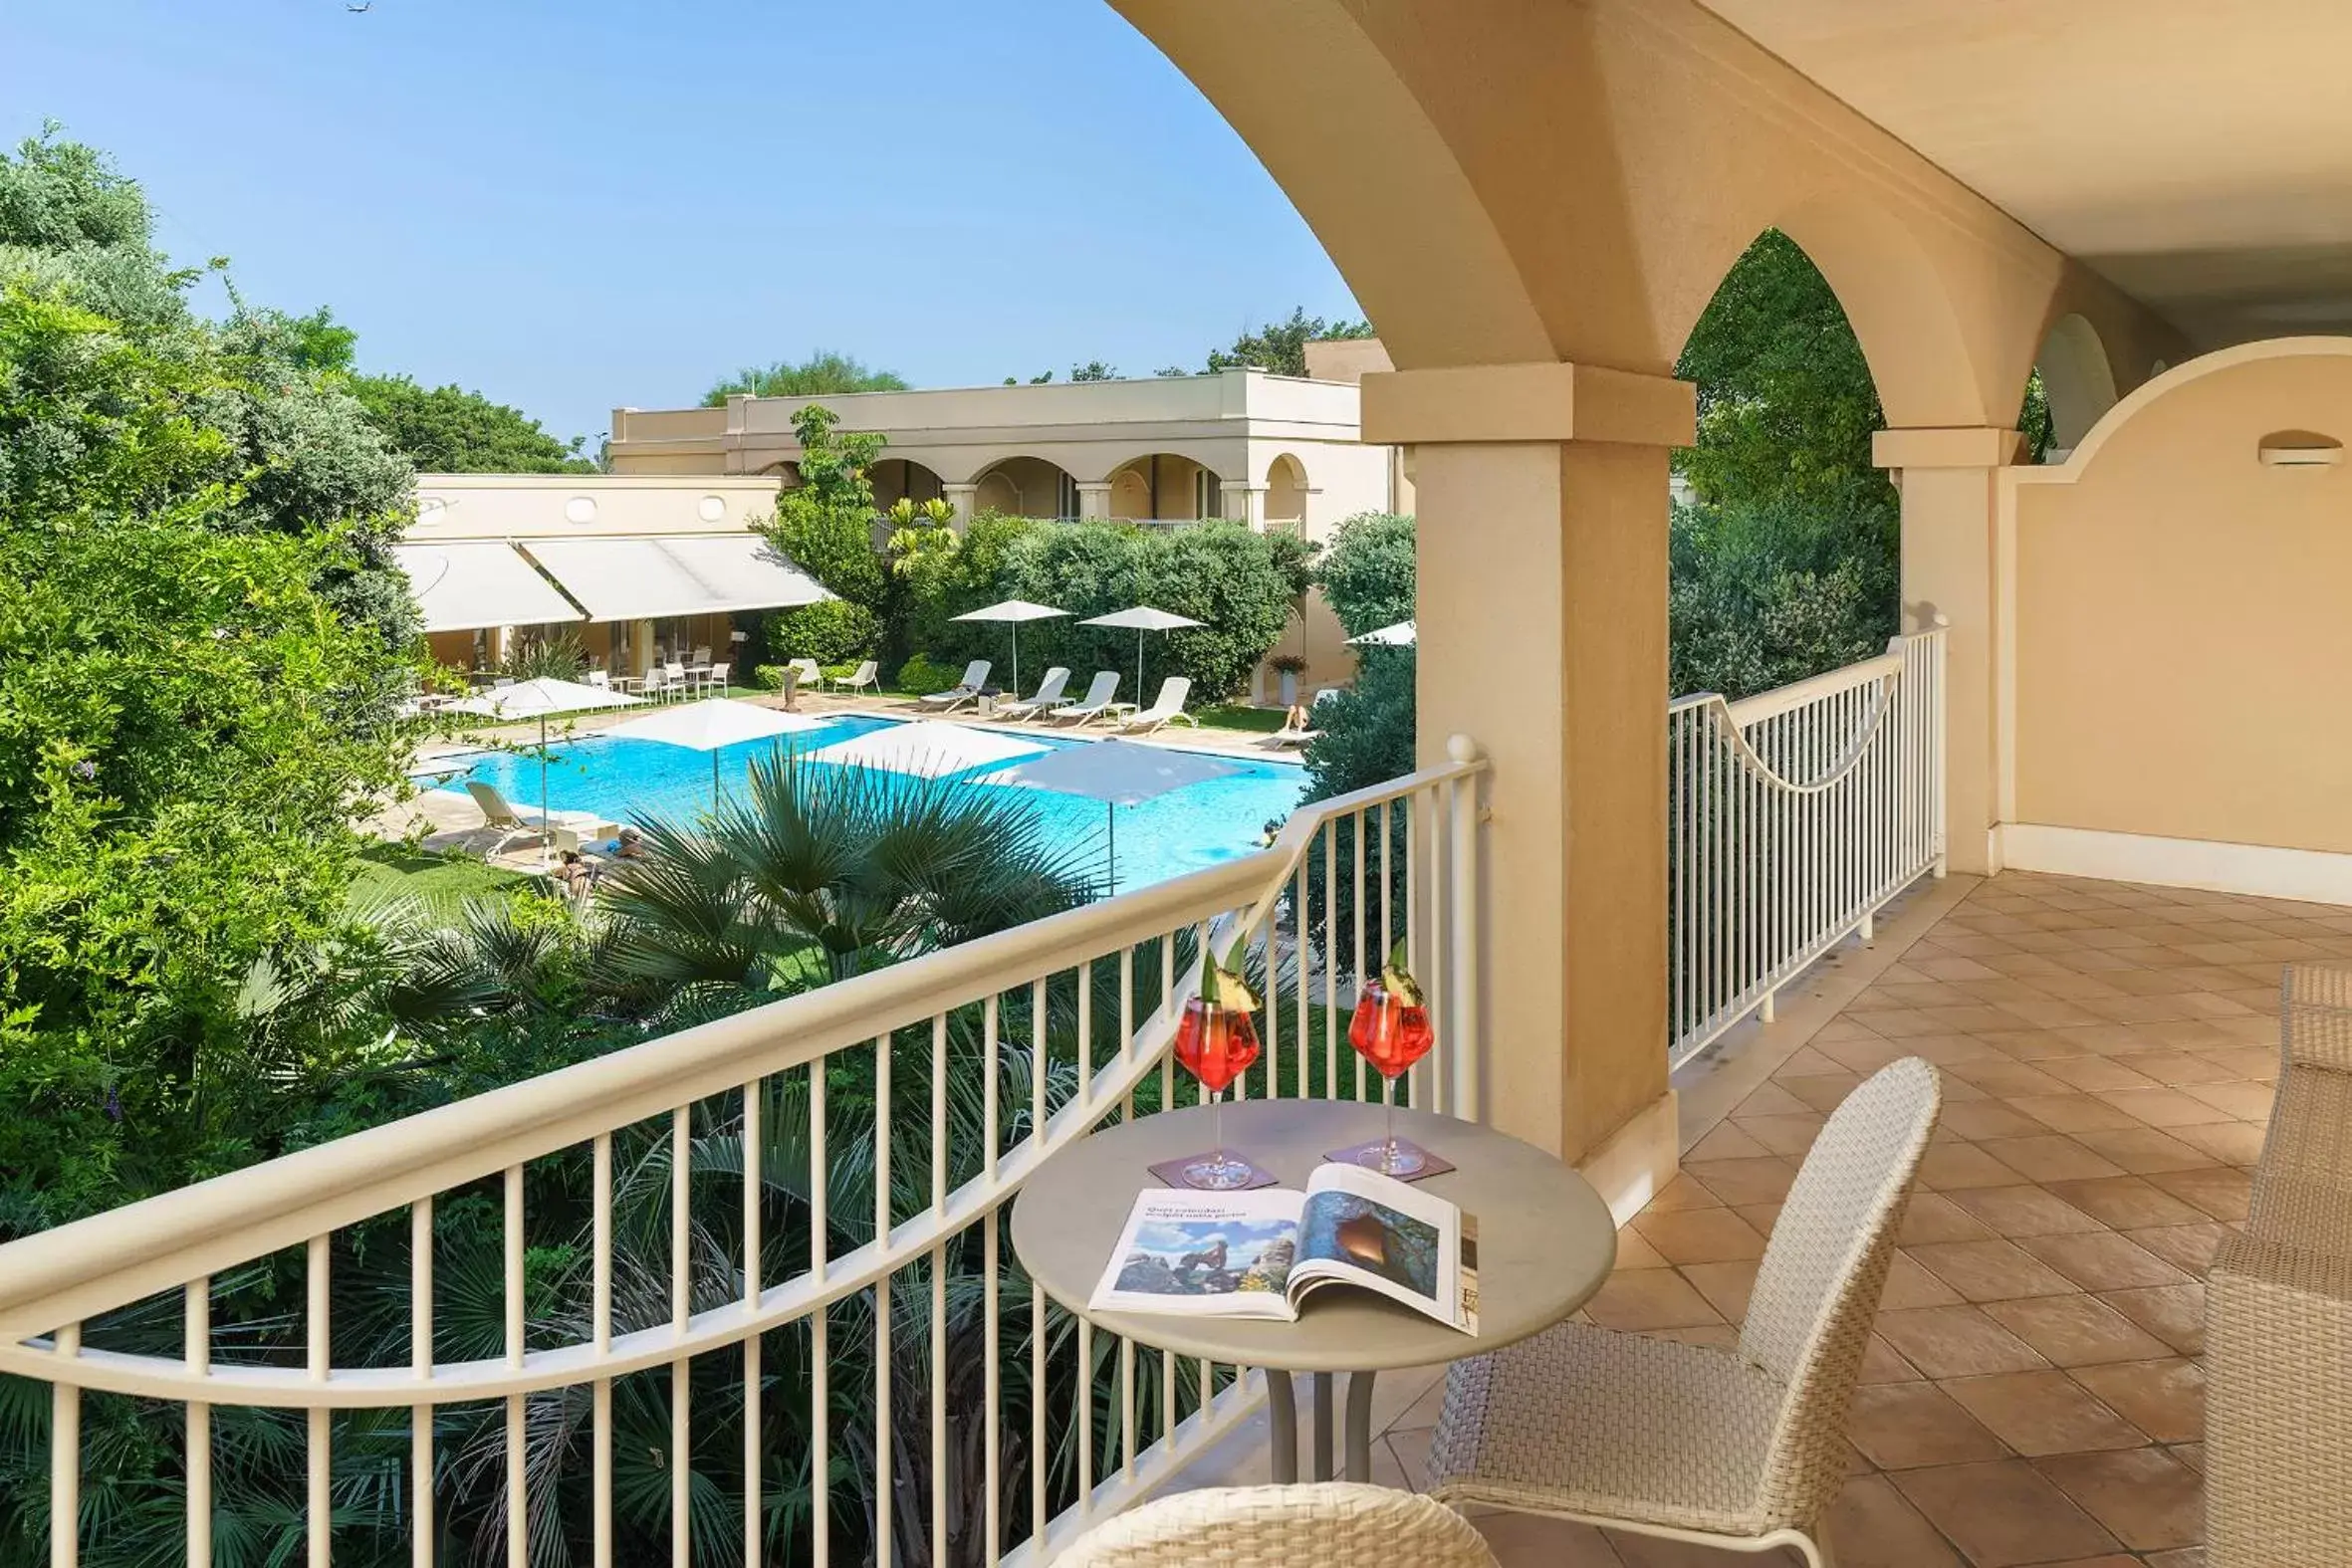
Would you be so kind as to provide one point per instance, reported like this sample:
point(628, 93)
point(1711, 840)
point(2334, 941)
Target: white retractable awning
point(482, 584)
point(650, 579)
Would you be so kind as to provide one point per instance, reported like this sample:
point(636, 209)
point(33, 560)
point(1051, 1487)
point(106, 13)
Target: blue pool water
point(1180, 831)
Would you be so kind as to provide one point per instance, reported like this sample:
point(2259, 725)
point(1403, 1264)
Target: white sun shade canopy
point(1400, 635)
point(713, 725)
point(1119, 772)
point(486, 583)
point(651, 579)
point(928, 748)
point(1143, 617)
point(539, 698)
point(1015, 610)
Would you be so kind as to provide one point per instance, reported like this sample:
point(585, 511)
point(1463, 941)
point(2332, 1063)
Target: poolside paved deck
point(2032, 1395)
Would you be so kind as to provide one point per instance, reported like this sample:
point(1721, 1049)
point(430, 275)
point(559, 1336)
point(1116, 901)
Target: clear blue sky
point(573, 204)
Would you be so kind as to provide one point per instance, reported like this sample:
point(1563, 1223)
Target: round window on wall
point(579, 509)
point(711, 509)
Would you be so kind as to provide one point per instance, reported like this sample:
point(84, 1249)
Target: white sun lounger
point(521, 821)
point(1165, 707)
point(1048, 696)
point(964, 691)
point(1302, 736)
point(1095, 703)
point(868, 674)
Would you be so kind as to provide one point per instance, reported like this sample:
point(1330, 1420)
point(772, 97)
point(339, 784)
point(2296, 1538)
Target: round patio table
point(1546, 1242)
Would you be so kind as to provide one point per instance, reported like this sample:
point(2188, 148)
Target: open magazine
point(1258, 1253)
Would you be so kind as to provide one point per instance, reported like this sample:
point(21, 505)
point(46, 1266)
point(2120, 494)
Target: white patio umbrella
point(537, 700)
point(1143, 618)
point(928, 748)
point(1013, 611)
point(1116, 772)
point(712, 727)
point(1400, 635)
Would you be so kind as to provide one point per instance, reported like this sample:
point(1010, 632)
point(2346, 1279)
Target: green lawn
point(1239, 715)
point(441, 882)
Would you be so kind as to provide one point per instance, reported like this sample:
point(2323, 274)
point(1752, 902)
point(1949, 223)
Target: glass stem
point(1217, 1126)
point(1388, 1094)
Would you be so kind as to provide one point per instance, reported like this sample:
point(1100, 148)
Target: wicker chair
point(1333, 1524)
point(2279, 1308)
point(1739, 1449)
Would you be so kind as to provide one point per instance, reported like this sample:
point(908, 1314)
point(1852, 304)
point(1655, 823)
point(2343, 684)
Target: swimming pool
point(1178, 832)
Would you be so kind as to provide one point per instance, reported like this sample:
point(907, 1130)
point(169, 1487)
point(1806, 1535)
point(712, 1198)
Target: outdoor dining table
point(1546, 1242)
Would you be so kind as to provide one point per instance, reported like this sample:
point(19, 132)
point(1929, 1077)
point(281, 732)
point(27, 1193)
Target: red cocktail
point(1391, 1031)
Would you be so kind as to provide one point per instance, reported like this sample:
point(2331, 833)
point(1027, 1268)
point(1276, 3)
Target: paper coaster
point(1171, 1172)
point(1431, 1164)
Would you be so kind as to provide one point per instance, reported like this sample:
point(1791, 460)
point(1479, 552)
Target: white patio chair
point(1094, 704)
point(1738, 1447)
point(598, 679)
point(1166, 707)
point(717, 677)
point(1331, 1524)
point(673, 680)
point(869, 674)
point(1299, 737)
point(964, 691)
point(810, 673)
point(702, 656)
point(1048, 697)
point(523, 821)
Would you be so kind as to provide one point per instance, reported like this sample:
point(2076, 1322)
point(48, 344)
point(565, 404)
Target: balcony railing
point(768, 1248)
point(1793, 818)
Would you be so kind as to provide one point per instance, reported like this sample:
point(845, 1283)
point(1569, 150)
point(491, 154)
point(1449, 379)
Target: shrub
point(921, 677)
point(1367, 573)
point(830, 631)
point(557, 658)
point(770, 677)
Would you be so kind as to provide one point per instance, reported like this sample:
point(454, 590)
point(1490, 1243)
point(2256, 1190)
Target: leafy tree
point(1786, 405)
point(1788, 563)
point(1368, 728)
point(825, 524)
point(1280, 346)
point(823, 372)
point(449, 430)
point(1093, 371)
point(1367, 572)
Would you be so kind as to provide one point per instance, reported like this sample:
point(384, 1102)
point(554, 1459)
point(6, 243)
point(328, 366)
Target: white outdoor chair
point(1094, 704)
point(702, 656)
point(524, 821)
point(1167, 706)
point(1048, 696)
point(673, 679)
point(1288, 737)
point(717, 676)
point(869, 674)
point(964, 691)
point(810, 673)
point(1738, 1447)
point(598, 679)
point(1331, 1524)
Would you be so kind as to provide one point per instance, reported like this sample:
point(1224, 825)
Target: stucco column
point(1952, 568)
point(1246, 503)
point(1542, 508)
point(964, 498)
point(640, 646)
point(1094, 498)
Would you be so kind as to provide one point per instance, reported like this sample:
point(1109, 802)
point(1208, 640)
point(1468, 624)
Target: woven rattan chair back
point(1330, 1525)
point(1816, 1291)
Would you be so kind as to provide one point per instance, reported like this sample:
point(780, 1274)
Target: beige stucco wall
point(2182, 637)
point(542, 506)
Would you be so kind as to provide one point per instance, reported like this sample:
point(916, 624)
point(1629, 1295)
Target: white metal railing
point(1793, 817)
point(786, 1259)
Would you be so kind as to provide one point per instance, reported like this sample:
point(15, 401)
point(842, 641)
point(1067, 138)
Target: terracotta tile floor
point(2032, 1395)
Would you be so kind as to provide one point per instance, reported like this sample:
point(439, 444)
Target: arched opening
point(1026, 487)
point(2073, 386)
point(1786, 537)
point(1165, 487)
point(788, 471)
point(1285, 495)
point(898, 479)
